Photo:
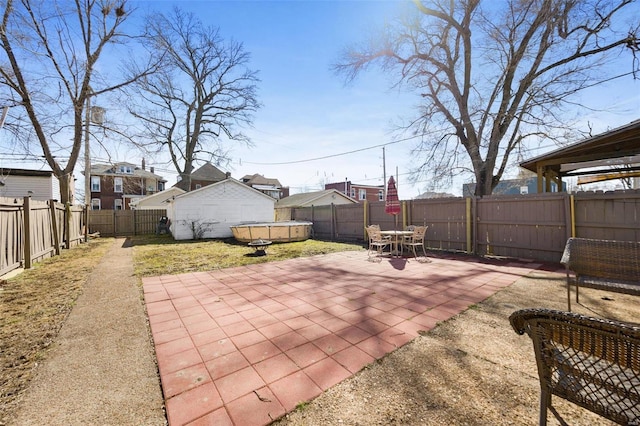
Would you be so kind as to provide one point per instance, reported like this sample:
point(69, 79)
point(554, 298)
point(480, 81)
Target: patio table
point(397, 235)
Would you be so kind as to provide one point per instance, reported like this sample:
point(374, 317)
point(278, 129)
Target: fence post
point(26, 220)
point(474, 224)
point(405, 214)
point(85, 216)
point(365, 217)
point(569, 215)
point(67, 231)
point(54, 227)
point(469, 224)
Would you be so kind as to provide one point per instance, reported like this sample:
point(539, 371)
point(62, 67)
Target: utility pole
point(384, 174)
point(93, 114)
point(87, 158)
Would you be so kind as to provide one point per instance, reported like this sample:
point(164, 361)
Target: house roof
point(308, 198)
point(596, 151)
point(112, 169)
point(207, 173)
point(257, 179)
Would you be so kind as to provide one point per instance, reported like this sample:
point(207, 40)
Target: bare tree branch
point(49, 71)
point(196, 104)
point(495, 75)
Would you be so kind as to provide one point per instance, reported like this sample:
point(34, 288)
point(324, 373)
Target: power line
point(408, 138)
point(335, 155)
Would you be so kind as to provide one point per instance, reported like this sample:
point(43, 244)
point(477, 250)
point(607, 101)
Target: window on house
point(362, 194)
point(125, 169)
point(198, 186)
point(95, 204)
point(160, 186)
point(95, 183)
point(381, 195)
point(117, 204)
point(117, 184)
point(353, 193)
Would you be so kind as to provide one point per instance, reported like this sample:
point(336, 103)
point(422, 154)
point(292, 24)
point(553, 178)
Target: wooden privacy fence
point(110, 223)
point(33, 230)
point(532, 226)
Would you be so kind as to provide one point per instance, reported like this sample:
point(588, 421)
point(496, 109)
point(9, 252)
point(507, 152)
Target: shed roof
point(159, 197)
point(6, 171)
point(230, 180)
point(308, 198)
point(615, 147)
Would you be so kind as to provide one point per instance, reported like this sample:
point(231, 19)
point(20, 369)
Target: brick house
point(358, 192)
point(114, 186)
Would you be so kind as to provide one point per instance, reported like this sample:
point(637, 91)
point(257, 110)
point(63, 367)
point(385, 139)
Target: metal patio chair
point(377, 242)
point(416, 240)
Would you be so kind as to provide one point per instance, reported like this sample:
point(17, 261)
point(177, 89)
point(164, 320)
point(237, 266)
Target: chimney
point(143, 165)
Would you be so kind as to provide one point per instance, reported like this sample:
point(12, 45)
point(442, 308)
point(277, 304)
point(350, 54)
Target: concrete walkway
point(101, 370)
point(243, 346)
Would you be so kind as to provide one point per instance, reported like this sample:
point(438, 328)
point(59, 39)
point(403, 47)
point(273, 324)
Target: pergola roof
point(609, 149)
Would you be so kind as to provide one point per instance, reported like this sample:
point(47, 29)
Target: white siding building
point(39, 184)
point(210, 211)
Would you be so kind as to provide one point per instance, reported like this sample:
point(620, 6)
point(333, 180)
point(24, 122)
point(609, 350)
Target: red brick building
point(358, 192)
point(114, 186)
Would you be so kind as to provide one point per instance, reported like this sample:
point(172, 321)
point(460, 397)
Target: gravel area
point(101, 369)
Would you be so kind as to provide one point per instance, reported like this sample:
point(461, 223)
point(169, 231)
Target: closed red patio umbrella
point(392, 204)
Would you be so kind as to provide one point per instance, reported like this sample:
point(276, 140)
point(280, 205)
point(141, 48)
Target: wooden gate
point(111, 223)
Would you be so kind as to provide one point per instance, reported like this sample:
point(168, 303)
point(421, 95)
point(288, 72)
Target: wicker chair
point(602, 264)
point(591, 362)
point(377, 242)
point(416, 240)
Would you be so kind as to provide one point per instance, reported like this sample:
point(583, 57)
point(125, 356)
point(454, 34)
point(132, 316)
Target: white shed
point(210, 211)
point(39, 184)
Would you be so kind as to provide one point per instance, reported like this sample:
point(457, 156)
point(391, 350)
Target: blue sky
point(308, 112)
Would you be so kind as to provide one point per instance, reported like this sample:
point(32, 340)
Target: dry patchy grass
point(34, 305)
point(159, 254)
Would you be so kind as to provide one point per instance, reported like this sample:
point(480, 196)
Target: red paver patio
point(245, 345)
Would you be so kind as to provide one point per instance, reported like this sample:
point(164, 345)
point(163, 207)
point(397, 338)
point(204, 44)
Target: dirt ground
point(470, 370)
